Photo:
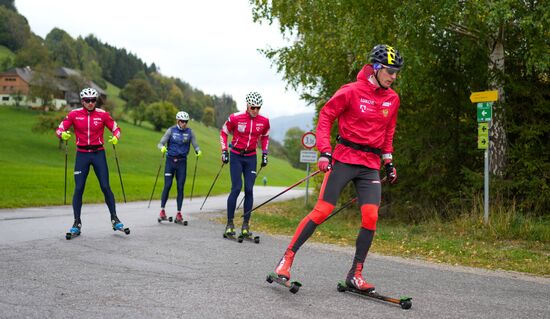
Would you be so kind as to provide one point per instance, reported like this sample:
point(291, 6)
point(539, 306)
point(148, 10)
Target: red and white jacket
point(246, 131)
point(88, 127)
point(366, 115)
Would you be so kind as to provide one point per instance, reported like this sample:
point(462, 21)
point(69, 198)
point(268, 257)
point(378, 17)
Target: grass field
point(32, 164)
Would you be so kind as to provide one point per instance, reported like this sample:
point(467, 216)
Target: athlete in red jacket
point(247, 128)
point(88, 123)
point(366, 111)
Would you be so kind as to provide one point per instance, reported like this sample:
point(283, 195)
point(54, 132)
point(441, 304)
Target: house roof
point(24, 73)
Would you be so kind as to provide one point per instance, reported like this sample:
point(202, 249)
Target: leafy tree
point(464, 46)
point(63, 48)
point(161, 114)
point(208, 117)
point(224, 106)
point(8, 4)
point(137, 92)
point(43, 86)
point(293, 145)
point(33, 54)
point(14, 29)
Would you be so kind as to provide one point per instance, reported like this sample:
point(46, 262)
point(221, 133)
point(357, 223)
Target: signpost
point(484, 102)
point(308, 156)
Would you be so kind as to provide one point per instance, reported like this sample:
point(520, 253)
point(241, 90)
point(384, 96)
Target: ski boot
point(355, 278)
point(179, 219)
point(246, 234)
point(118, 225)
point(229, 230)
point(75, 230)
point(283, 268)
point(163, 216)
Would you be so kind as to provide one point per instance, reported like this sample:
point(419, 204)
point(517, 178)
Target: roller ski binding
point(74, 231)
point(229, 232)
point(163, 216)
point(282, 273)
point(404, 302)
point(117, 225)
point(179, 219)
point(246, 234)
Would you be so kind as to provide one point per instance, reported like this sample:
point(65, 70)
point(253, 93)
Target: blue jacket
point(179, 141)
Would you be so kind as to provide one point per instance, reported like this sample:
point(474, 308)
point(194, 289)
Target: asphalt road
point(173, 271)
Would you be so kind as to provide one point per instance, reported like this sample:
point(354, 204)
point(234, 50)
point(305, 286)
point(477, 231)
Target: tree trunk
point(498, 141)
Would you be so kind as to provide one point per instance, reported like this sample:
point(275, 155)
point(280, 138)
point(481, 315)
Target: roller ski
point(404, 302)
point(74, 231)
point(247, 235)
point(117, 225)
point(179, 219)
point(163, 217)
point(282, 273)
point(229, 232)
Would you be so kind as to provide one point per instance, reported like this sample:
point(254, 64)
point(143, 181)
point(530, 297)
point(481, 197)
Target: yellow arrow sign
point(485, 96)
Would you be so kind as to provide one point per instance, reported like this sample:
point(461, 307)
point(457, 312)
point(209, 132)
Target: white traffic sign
point(308, 156)
point(309, 140)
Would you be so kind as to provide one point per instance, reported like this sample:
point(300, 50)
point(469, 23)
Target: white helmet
point(254, 99)
point(88, 92)
point(183, 116)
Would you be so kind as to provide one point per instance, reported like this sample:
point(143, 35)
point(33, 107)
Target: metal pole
point(66, 155)
point(307, 181)
point(486, 187)
point(156, 179)
point(214, 182)
point(119, 175)
point(194, 175)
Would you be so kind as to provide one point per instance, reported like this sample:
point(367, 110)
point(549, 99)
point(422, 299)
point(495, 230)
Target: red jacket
point(88, 127)
point(246, 131)
point(366, 115)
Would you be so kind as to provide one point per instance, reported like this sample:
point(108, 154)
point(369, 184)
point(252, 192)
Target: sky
point(210, 44)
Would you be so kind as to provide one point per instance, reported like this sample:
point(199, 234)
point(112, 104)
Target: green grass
point(33, 164)
point(465, 241)
point(5, 53)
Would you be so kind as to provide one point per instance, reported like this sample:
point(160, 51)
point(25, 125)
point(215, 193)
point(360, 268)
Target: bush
point(161, 114)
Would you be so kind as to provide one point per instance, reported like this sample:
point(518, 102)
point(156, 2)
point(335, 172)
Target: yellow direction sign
point(485, 96)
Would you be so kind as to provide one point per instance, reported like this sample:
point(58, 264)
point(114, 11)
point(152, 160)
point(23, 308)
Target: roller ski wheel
point(293, 286)
point(182, 222)
point(404, 302)
point(165, 219)
point(248, 236)
point(72, 234)
point(117, 225)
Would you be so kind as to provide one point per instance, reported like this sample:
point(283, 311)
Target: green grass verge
point(465, 241)
point(32, 164)
point(5, 53)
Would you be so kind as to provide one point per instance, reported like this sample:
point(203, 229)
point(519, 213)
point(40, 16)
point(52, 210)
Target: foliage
point(63, 48)
point(9, 4)
point(136, 93)
point(208, 117)
point(161, 114)
point(224, 106)
point(293, 146)
point(48, 122)
point(14, 29)
point(447, 47)
point(33, 54)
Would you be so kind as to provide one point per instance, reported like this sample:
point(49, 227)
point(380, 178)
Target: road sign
point(484, 111)
point(307, 156)
point(309, 140)
point(484, 96)
point(482, 136)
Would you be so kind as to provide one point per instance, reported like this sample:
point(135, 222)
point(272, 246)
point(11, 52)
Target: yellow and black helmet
point(386, 55)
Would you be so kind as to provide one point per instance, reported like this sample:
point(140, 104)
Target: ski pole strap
point(359, 147)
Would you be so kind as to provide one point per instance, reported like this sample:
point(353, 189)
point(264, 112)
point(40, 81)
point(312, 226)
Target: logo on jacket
point(385, 112)
point(241, 127)
point(386, 104)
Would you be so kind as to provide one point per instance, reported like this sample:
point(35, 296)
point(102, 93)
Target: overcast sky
point(210, 44)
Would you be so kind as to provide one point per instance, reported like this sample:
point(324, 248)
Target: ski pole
point(194, 175)
point(119, 175)
point(281, 193)
point(242, 199)
point(156, 179)
point(65, 191)
point(346, 205)
point(214, 182)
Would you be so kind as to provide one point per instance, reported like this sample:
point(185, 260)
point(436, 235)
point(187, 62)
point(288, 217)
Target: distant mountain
point(279, 125)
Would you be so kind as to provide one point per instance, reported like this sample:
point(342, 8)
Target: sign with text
point(309, 140)
point(307, 156)
point(484, 96)
point(484, 111)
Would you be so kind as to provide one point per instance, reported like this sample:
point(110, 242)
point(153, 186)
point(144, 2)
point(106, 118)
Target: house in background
point(65, 85)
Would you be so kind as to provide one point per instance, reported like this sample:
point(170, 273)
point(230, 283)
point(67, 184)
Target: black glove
point(264, 159)
point(225, 156)
point(391, 172)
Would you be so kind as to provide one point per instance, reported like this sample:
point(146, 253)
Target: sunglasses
point(391, 70)
point(254, 108)
point(89, 100)
point(182, 121)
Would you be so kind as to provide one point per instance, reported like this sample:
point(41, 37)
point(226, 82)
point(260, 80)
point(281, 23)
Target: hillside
point(5, 53)
point(33, 165)
point(279, 125)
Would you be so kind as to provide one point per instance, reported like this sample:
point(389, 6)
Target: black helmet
point(386, 55)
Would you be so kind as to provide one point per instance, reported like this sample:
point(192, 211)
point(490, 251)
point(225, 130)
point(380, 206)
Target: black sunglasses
point(89, 100)
point(254, 108)
point(183, 121)
point(391, 70)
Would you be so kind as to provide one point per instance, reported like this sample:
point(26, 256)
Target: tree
point(161, 114)
point(223, 106)
point(63, 48)
point(8, 4)
point(208, 117)
point(137, 92)
point(293, 146)
point(34, 53)
point(14, 29)
point(451, 48)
